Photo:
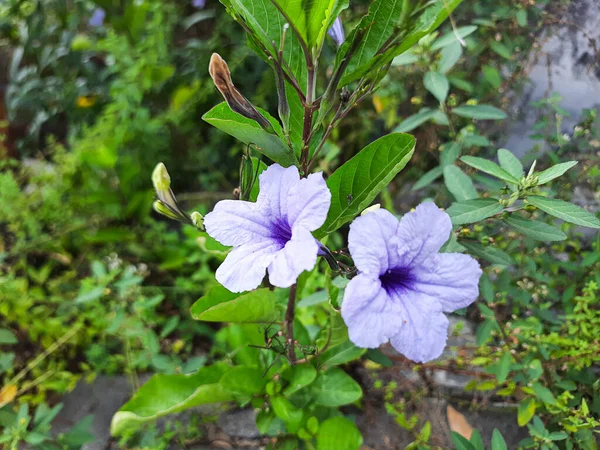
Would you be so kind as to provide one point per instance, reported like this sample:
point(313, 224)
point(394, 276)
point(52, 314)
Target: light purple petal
point(423, 334)
point(244, 267)
point(422, 233)
point(452, 278)
point(373, 242)
point(236, 222)
point(308, 202)
point(298, 255)
point(275, 185)
point(97, 18)
point(200, 4)
point(337, 32)
point(371, 316)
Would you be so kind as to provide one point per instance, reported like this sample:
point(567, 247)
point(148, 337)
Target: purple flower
point(337, 32)
point(404, 285)
point(272, 234)
point(198, 4)
point(97, 18)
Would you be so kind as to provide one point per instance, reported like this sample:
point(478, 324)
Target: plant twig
point(289, 322)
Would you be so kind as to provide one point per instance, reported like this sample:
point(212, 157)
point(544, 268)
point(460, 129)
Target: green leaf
point(492, 76)
point(437, 84)
point(498, 442)
point(526, 411)
point(355, 184)
point(543, 393)
point(479, 112)
point(565, 211)
point(220, 305)
point(459, 184)
point(299, 376)
point(484, 331)
point(167, 394)
point(510, 163)
point(474, 210)
point(7, 337)
point(286, 411)
point(340, 354)
point(266, 22)
point(489, 167)
point(379, 357)
point(243, 381)
point(334, 387)
point(249, 132)
point(491, 254)
point(554, 172)
point(460, 442)
point(449, 56)
point(338, 433)
point(535, 229)
point(503, 368)
point(380, 25)
point(477, 440)
point(452, 36)
point(412, 122)
point(311, 18)
point(428, 178)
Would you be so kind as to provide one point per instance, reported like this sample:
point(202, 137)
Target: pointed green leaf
point(412, 122)
point(503, 367)
point(459, 184)
point(243, 381)
point(510, 163)
point(221, 305)
point(489, 253)
point(380, 24)
point(460, 442)
point(554, 172)
point(334, 387)
point(356, 183)
point(167, 394)
point(489, 167)
point(526, 411)
point(543, 393)
point(437, 84)
point(428, 178)
point(338, 433)
point(340, 354)
point(249, 132)
point(475, 210)
point(498, 442)
point(565, 211)
point(479, 112)
point(311, 18)
point(535, 229)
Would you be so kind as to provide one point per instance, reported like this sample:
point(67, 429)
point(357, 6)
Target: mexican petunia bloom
point(273, 234)
point(404, 285)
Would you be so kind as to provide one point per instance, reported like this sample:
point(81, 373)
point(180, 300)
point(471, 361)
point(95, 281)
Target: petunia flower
point(404, 285)
point(337, 32)
point(273, 234)
point(97, 18)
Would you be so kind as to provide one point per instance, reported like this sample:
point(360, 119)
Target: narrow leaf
point(437, 84)
point(491, 254)
point(498, 442)
point(475, 210)
point(535, 229)
point(565, 211)
point(526, 411)
point(479, 112)
point(428, 178)
point(510, 163)
point(412, 122)
point(459, 184)
point(490, 168)
point(554, 172)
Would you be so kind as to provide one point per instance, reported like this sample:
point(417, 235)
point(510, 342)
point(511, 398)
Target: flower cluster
point(403, 284)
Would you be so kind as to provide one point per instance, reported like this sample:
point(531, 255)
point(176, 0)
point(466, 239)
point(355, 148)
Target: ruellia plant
point(298, 301)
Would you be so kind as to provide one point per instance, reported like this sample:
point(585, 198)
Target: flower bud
point(219, 72)
point(198, 220)
point(160, 178)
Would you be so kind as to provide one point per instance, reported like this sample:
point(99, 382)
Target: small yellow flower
point(86, 101)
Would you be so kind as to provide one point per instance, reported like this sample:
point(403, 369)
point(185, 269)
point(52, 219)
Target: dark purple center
point(398, 279)
point(281, 231)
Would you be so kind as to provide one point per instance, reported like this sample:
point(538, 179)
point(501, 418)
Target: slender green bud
point(198, 220)
point(246, 177)
point(160, 178)
point(167, 203)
